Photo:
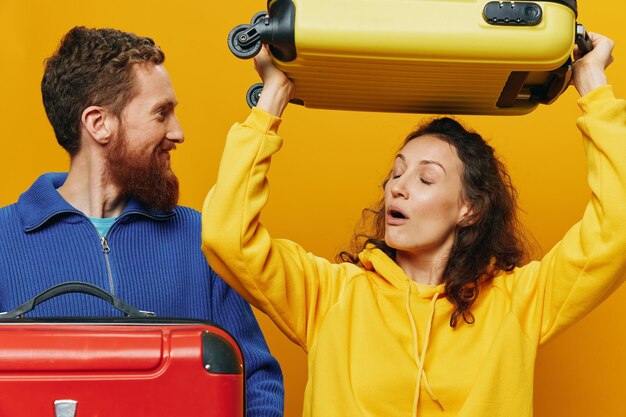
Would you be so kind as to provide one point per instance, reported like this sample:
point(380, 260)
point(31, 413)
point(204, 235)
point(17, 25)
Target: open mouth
point(396, 214)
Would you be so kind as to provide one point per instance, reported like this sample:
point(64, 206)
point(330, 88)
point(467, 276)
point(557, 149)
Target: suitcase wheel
point(258, 17)
point(253, 94)
point(239, 42)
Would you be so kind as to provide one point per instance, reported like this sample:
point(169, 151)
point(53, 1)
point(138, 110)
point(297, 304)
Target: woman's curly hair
point(490, 242)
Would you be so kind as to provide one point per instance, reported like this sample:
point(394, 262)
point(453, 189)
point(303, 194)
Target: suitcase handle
point(562, 77)
point(582, 40)
point(75, 287)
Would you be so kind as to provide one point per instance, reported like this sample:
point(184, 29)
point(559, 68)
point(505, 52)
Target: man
point(113, 220)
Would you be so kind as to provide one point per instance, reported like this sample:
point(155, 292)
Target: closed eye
point(425, 182)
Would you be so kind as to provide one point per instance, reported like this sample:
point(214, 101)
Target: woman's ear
point(99, 123)
point(467, 216)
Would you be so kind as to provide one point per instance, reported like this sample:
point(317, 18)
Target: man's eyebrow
point(164, 103)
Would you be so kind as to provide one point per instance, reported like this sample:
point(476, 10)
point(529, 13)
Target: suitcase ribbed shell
point(420, 56)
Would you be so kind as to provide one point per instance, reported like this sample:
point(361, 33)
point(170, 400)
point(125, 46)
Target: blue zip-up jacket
point(152, 260)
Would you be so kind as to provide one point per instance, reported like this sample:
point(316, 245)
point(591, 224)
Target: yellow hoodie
point(370, 331)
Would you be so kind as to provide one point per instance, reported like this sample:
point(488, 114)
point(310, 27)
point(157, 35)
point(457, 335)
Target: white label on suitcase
point(65, 408)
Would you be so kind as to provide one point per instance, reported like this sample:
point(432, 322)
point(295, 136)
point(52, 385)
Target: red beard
point(144, 177)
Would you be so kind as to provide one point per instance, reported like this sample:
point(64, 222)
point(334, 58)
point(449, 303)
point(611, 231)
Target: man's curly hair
point(91, 67)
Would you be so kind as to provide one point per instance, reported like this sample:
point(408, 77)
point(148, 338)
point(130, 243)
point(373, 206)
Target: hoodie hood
point(374, 259)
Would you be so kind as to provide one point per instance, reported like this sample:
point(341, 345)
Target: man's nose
point(175, 131)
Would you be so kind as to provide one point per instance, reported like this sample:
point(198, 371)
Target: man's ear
point(99, 123)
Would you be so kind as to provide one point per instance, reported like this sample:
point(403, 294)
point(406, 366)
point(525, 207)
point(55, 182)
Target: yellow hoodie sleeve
point(589, 263)
point(292, 286)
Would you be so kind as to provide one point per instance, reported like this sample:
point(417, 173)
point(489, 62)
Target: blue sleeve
point(264, 379)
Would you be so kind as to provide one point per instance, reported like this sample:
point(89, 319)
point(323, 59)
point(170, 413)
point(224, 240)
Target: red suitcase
point(128, 366)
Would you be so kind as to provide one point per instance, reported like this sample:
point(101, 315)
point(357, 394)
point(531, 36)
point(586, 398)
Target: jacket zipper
point(103, 241)
point(106, 249)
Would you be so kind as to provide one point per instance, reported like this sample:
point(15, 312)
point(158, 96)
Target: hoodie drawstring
point(419, 359)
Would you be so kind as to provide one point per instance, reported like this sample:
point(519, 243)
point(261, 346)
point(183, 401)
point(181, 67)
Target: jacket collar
point(42, 204)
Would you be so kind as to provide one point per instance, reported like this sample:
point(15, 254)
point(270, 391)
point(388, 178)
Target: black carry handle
point(75, 287)
point(562, 77)
point(582, 39)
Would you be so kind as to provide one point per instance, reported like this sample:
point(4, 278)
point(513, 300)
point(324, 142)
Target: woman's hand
point(277, 88)
point(589, 69)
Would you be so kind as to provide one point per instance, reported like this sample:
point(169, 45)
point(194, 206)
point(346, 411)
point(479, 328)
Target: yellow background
point(331, 164)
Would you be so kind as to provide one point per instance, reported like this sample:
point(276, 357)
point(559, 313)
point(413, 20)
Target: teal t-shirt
point(103, 225)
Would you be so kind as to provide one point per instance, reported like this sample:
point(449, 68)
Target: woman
point(436, 316)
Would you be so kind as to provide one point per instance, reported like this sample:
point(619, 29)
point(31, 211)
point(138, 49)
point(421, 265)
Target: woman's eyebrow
point(431, 162)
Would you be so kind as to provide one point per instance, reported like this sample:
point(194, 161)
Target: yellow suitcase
point(418, 56)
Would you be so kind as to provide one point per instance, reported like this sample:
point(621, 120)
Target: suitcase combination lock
point(512, 13)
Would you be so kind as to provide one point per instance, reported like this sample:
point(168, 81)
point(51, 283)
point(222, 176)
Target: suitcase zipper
point(106, 249)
